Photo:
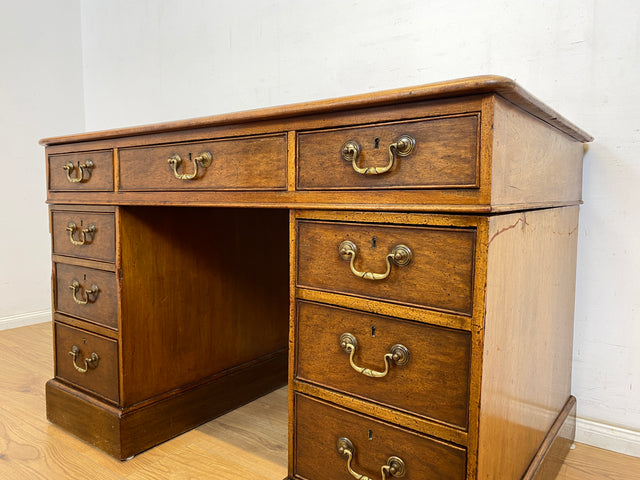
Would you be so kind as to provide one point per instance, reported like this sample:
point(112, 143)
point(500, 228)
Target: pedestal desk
point(404, 260)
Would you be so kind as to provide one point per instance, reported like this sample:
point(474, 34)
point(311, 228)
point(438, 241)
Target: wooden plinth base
point(124, 433)
point(556, 445)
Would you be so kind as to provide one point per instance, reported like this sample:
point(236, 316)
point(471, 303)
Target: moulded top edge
point(502, 86)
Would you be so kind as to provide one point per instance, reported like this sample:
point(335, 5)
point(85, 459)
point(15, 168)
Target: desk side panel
point(528, 335)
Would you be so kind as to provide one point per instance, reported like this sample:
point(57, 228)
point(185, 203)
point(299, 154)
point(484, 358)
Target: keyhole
point(81, 223)
point(85, 277)
point(373, 331)
point(376, 143)
point(370, 434)
point(84, 342)
point(374, 242)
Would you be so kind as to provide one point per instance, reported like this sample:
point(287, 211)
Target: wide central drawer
point(431, 378)
point(252, 163)
point(321, 429)
point(432, 266)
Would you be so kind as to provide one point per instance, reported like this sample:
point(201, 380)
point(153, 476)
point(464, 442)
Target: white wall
point(40, 95)
point(159, 60)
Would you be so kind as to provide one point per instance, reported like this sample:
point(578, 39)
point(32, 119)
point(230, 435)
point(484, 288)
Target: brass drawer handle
point(77, 178)
point(84, 233)
point(91, 362)
point(399, 355)
point(395, 465)
point(203, 159)
point(75, 286)
point(400, 255)
point(403, 146)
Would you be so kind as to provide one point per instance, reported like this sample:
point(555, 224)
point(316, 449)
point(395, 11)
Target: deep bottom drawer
point(87, 360)
point(319, 428)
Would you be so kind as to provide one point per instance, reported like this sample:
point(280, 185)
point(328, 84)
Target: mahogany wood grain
point(254, 163)
point(445, 154)
point(443, 198)
point(319, 426)
point(439, 276)
point(202, 290)
point(85, 325)
point(532, 160)
point(503, 86)
point(528, 335)
point(100, 308)
point(101, 379)
point(434, 383)
point(100, 245)
point(201, 294)
point(123, 433)
point(97, 179)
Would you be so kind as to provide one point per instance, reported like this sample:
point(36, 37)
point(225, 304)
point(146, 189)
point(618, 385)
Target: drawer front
point(319, 426)
point(97, 305)
point(445, 155)
point(84, 235)
point(239, 164)
point(439, 274)
point(92, 364)
point(433, 383)
point(86, 171)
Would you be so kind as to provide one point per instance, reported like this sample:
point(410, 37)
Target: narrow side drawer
point(83, 171)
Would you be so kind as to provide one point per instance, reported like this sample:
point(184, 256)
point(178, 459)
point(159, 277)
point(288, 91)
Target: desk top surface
point(486, 84)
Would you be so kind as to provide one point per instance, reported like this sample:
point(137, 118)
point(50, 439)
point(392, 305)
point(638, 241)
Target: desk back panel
point(207, 290)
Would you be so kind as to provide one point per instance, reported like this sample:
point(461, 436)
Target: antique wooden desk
point(409, 254)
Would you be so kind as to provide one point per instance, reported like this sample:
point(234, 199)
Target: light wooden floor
point(247, 444)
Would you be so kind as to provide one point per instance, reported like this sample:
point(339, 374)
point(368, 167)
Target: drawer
point(84, 235)
point(86, 171)
point(444, 155)
point(97, 305)
point(255, 163)
point(87, 360)
point(439, 274)
point(319, 427)
point(433, 383)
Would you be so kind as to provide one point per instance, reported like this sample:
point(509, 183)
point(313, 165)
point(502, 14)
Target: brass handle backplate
point(400, 255)
point(90, 295)
point(86, 234)
point(402, 147)
point(395, 465)
point(204, 159)
point(398, 354)
point(82, 167)
point(91, 362)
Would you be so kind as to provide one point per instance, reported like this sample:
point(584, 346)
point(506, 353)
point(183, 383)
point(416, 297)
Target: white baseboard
point(23, 319)
point(608, 437)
